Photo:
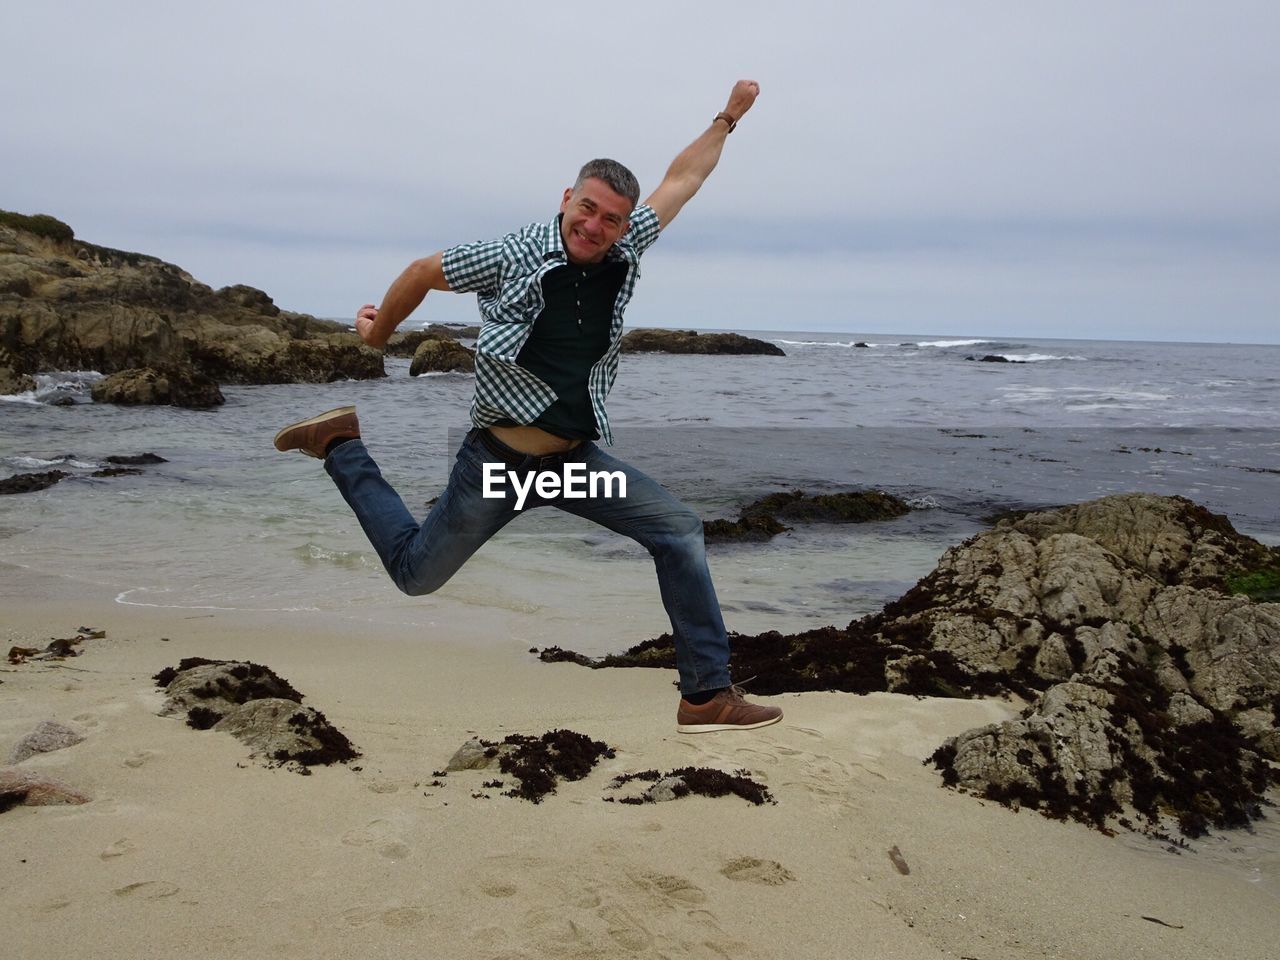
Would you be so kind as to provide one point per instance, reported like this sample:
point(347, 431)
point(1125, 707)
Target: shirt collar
point(553, 245)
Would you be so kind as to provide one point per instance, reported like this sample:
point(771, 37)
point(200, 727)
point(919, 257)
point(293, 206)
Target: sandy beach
point(189, 846)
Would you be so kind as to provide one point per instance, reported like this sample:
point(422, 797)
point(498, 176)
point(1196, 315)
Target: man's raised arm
point(376, 324)
point(696, 161)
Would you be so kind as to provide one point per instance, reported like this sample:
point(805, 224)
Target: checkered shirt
point(506, 276)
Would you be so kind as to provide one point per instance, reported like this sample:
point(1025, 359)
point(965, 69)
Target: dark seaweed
point(202, 718)
point(334, 746)
point(538, 762)
point(702, 781)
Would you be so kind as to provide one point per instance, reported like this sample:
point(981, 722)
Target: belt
point(523, 461)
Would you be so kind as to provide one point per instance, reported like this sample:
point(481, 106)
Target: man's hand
point(376, 324)
point(741, 98)
point(365, 318)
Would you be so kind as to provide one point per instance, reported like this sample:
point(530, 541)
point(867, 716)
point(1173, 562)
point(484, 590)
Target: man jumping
point(552, 297)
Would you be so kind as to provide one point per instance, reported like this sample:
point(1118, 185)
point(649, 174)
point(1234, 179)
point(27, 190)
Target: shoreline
point(187, 841)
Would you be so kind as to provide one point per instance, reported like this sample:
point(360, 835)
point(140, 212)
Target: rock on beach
point(49, 736)
point(34, 789)
point(1153, 690)
point(255, 705)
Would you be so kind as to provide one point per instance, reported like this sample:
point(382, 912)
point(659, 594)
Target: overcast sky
point(1014, 169)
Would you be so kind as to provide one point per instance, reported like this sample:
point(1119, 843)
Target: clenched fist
point(365, 317)
point(741, 98)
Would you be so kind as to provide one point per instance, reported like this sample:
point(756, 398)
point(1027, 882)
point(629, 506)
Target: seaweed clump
point(167, 675)
point(334, 747)
point(202, 718)
point(852, 660)
point(539, 762)
point(688, 781)
point(240, 683)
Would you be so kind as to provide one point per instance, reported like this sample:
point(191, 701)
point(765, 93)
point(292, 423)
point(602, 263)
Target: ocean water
point(229, 523)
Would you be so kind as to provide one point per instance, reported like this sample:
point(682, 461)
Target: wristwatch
point(727, 118)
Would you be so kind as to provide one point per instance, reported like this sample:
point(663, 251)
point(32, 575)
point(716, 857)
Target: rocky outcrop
point(746, 529)
point(406, 344)
point(135, 459)
point(256, 355)
point(690, 341)
point(442, 355)
point(48, 736)
point(12, 382)
point(849, 507)
point(67, 304)
point(31, 482)
point(175, 386)
point(762, 520)
point(1153, 689)
point(253, 704)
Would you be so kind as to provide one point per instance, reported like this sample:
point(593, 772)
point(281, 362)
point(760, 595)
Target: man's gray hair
point(620, 180)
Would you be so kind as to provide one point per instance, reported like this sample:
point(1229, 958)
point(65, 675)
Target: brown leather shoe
point(313, 436)
point(727, 710)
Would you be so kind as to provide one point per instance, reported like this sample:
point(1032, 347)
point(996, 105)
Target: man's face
point(594, 218)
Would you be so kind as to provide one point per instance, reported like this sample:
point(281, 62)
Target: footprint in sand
point(753, 756)
point(674, 888)
point(117, 849)
point(387, 916)
point(140, 758)
point(401, 917)
point(148, 890)
point(379, 835)
point(498, 889)
point(625, 930)
point(768, 872)
point(393, 849)
point(383, 786)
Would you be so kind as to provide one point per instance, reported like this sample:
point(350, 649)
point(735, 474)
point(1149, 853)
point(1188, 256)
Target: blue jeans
point(421, 557)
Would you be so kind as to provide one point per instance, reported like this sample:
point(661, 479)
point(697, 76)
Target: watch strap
point(727, 118)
